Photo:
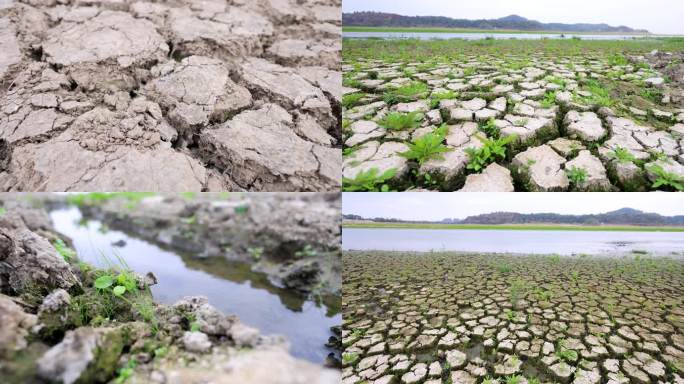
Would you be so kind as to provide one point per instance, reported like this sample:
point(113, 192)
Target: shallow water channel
point(230, 286)
point(481, 36)
point(514, 241)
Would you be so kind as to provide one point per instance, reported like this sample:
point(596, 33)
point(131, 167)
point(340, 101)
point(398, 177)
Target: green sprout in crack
point(369, 181)
point(576, 176)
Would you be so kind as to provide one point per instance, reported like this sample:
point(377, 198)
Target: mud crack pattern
point(170, 96)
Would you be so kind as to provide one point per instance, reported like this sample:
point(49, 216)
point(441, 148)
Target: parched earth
point(120, 95)
point(465, 318)
point(597, 122)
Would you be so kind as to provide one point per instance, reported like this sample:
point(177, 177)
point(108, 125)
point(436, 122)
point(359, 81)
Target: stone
point(584, 125)
point(56, 300)
point(196, 342)
point(16, 325)
point(494, 178)
point(84, 355)
point(596, 179)
point(562, 372)
point(244, 335)
point(540, 168)
point(456, 359)
point(655, 81)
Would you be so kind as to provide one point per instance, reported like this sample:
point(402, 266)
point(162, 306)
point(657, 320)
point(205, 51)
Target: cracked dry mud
point(466, 318)
point(613, 118)
point(170, 96)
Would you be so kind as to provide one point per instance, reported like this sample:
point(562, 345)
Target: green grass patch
point(514, 227)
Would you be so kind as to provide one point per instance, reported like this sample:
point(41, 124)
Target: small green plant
point(617, 60)
point(503, 268)
point(390, 98)
point(554, 259)
point(564, 353)
point(510, 315)
point(444, 95)
point(194, 326)
point(161, 352)
point(428, 147)
point(411, 91)
point(256, 252)
point(2, 211)
point(622, 155)
point(469, 71)
point(549, 100)
point(666, 179)
point(599, 95)
point(188, 195)
point(490, 128)
point(520, 122)
point(63, 250)
point(396, 121)
point(351, 100)
point(514, 379)
point(488, 153)
point(350, 358)
point(576, 175)
point(369, 181)
point(126, 372)
point(517, 290)
point(241, 209)
point(307, 251)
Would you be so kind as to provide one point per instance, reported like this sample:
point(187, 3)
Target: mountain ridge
point(623, 216)
point(512, 22)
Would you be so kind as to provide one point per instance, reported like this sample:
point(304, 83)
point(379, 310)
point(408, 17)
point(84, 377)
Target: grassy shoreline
point(473, 30)
point(513, 227)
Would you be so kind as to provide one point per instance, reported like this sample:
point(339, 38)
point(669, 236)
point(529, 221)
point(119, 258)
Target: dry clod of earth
point(170, 96)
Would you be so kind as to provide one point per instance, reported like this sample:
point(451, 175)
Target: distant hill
point(624, 216)
point(380, 19)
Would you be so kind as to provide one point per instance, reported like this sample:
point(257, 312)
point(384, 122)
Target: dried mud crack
point(170, 96)
point(471, 318)
point(512, 116)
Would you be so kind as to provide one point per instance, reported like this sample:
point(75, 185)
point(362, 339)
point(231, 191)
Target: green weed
point(622, 155)
point(666, 179)
point(490, 128)
point(63, 250)
point(369, 181)
point(576, 175)
point(428, 147)
point(488, 153)
point(396, 121)
point(351, 100)
point(549, 100)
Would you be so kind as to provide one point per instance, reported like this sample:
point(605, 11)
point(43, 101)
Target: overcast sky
point(658, 16)
point(437, 206)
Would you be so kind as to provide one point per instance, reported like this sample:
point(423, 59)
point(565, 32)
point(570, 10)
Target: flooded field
point(495, 115)
point(445, 318)
point(515, 241)
point(230, 286)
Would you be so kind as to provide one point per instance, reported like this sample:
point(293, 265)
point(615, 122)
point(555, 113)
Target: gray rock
point(494, 178)
point(56, 300)
point(596, 179)
point(562, 372)
point(9, 46)
point(244, 336)
point(655, 81)
point(540, 168)
point(69, 361)
point(585, 125)
point(196, 342)
point(16, 325)
point(456, 359)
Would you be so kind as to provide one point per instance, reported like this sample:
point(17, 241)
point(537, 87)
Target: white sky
point(658, 16)
point(437, 206)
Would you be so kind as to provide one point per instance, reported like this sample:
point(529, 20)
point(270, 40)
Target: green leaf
point(103, 282)
point(119, 290)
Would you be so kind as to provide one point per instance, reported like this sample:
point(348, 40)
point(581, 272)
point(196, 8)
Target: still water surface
point(478, 36)
point(514, 241)
point(231, 287)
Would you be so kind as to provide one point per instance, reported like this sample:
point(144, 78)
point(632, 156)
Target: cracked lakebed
point(512, 116)
point(445, 317)
point(174, 96)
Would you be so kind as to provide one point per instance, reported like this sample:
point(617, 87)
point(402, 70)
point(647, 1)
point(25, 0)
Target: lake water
point(478, 36)
point(514, 241)
point(230, 287)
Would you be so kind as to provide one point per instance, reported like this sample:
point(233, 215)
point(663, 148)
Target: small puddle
point(230, 286)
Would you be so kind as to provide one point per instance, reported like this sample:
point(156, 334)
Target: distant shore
point(513, 227)
point(474, 30)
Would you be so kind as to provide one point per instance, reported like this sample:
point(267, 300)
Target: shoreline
point(493, 31)
point(511, 227)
